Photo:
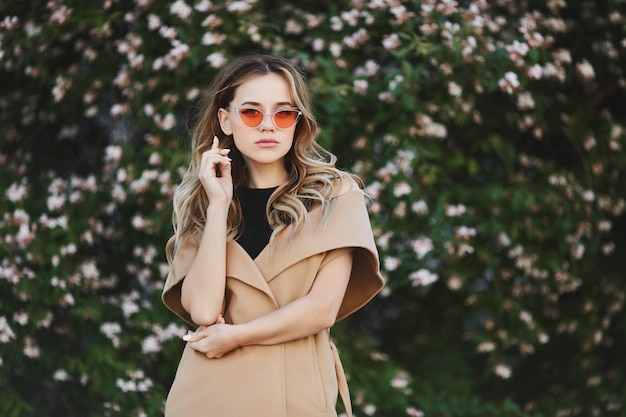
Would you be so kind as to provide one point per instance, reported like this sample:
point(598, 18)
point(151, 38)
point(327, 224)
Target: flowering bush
point(489, 135)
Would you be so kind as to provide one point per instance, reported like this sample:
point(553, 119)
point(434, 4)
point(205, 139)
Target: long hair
point(312, 175)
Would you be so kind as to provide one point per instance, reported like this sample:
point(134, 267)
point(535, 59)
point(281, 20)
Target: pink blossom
point(293, 27)
point(203, 6)
point(455, 282)
point(212, 38)
point(423, 277)
point(150, 345)
point(369, 409)
point(20, 317)
point(464, 232)
point(535, 72)
point(60, 15)
point(154, 21)
point(168, 32)
point(585, 71)
point(503, 371)
point(119, 110)
point(360, 86)
point(239, 6)
point(111, 330)
point(509, 83)
point(61, 86)
point(16, 192)
point(486, 347)
point(454, 89)
point(216, 59)
point(31, 349)
point(420, 207)
point(61, 375)
point(6, 333)
point(422, 246)
point(181, 9)
point(455, 210)
point(391, 42)
point(399, 210)
point(391, 263)
point(10, 23)
point(414, 412)
point(113, 154)
point(401, 189)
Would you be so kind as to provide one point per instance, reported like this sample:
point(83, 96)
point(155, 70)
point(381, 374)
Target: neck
point(266, 176)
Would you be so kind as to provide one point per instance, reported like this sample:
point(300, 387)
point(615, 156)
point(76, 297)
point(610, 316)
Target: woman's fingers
point(213, 158)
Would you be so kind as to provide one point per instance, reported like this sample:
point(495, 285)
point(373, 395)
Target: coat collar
point(342, 228)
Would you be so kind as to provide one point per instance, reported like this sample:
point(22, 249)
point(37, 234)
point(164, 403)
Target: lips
point(266, 142)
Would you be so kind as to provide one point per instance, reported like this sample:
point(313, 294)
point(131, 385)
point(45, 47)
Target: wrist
point(239, 337)
point(217, 209)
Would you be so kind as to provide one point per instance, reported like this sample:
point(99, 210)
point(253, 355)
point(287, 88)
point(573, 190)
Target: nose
point(268, 122)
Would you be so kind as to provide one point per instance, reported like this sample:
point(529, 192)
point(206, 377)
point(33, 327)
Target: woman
point(272, 245)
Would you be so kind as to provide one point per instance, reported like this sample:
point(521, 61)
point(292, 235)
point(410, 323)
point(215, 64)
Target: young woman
point(272, 245)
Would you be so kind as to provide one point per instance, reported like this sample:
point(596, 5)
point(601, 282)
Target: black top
point(256, 231)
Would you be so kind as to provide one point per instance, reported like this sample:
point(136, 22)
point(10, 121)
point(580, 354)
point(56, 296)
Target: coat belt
point(342, 382)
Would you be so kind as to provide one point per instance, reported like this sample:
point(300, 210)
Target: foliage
point(489, 134)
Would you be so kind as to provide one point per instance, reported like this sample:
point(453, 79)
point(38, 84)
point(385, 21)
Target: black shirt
point(256, 230)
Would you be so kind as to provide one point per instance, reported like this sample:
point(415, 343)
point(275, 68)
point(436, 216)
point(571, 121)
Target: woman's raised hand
point(218, 184)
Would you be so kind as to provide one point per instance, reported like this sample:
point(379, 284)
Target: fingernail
point(186, 337)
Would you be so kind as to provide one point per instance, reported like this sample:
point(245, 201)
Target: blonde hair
point(313, 178)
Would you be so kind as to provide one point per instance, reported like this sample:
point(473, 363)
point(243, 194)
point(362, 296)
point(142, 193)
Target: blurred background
point(489, 134)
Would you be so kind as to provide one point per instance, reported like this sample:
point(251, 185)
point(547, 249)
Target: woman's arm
point(303, 317)
point(202, 291)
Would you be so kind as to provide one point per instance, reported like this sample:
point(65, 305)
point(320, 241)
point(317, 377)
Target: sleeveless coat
point(299, 378)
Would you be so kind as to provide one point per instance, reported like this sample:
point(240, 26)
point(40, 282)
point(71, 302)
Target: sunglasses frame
point(272, 115)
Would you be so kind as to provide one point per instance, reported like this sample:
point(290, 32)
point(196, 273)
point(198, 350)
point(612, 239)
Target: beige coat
point(300, 378)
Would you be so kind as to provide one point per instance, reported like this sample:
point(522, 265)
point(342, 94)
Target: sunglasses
point(282, 119)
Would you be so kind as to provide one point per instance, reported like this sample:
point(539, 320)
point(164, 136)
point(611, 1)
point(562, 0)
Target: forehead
point(265, 89)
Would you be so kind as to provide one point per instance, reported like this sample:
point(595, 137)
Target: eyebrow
point(254, 103)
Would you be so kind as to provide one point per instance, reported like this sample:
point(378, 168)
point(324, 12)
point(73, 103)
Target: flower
point(503, 371)
point(420, 208)
point(585, 71)
point(180, 9)
point(486, 347)
point(391, 263)
point(61, 375)
point(509, 83)
point(401, 188)
point(422, 246)
point(16, 192)
point(423, 277)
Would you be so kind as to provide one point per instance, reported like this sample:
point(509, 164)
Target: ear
point(224, 117)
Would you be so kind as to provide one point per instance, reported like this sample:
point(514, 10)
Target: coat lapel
point(240, 266)
point(347, 226)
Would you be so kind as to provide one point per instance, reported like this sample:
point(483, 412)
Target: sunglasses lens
point(251, 117)
point(285, 118)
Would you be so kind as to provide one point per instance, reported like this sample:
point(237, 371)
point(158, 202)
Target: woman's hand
point(214, 341)
point(218, 188)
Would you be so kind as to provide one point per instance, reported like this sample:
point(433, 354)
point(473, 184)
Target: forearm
point(202, 291)
point(303, 317)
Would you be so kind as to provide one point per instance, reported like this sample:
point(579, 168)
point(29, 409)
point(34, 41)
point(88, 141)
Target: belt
point(342, 382)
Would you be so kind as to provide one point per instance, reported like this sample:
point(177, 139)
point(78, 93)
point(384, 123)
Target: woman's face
point(265, 145)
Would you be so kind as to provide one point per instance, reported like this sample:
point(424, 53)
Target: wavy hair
point(313, 178)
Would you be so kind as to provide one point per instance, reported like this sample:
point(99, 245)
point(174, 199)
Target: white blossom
point(423, 277)
point(503, 371)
